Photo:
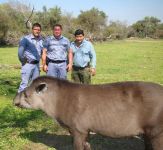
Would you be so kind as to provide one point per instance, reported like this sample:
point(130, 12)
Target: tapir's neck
point(50, 108)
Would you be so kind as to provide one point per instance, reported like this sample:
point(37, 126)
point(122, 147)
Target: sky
point(127, 11)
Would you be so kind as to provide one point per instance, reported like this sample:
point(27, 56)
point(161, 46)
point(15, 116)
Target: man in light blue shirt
point(29, 53)
point(84, 59)
point(55, 53)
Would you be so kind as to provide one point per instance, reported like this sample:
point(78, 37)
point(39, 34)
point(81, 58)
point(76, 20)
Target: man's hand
point(69, 67)
point(24, 61)
point(93, 71)
point(45, 68)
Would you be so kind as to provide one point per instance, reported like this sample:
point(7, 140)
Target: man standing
point(55, 53)
point(29, 53)
point(84, 59)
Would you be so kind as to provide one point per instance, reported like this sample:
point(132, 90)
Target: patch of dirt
point(5, 66)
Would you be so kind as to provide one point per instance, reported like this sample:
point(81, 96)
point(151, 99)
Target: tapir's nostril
point(17, 104)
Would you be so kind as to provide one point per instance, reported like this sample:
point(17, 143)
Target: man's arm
point(21, 49)
point(44, 65)
point(70, 60)
point(93, 60)
point(44, 55)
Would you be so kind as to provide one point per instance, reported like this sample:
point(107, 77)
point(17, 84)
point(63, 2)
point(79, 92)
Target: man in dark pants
point(55, 53)
point(29, 53)
point(84, 59)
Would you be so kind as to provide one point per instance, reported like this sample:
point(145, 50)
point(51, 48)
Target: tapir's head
point(35, 96)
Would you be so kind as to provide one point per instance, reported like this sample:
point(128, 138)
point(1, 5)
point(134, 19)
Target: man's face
point(57, 31)
point(36, 31)
point(79, 38)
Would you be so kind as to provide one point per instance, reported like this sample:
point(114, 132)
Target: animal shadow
point(98, 142)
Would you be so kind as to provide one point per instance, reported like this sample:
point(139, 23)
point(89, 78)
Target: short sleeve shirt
point(57, 49)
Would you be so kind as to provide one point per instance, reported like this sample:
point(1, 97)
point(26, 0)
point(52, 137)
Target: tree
point(47, 18)
point(92, 20)
point(146, 27)
point(4, 23)
point(116, 30)
point(159, 31)
point(12, 22)
point(54, 15)
point(151, 24)
point(69, 25)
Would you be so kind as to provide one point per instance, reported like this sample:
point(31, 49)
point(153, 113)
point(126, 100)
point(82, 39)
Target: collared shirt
point(30, 48)
point(83, 54)
point(57, 48)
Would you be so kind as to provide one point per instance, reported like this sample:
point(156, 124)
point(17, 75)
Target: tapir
point(119, 109)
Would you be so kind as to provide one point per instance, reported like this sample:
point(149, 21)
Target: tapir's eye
point(41, 87)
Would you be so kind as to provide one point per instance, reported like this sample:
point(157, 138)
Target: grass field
point(116, 61)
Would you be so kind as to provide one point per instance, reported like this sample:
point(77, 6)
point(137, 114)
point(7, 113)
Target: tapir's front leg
point(80, 141)
point(147, 142)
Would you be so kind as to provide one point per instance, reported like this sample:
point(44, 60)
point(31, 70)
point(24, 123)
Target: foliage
point(48, 18)
point(4, 22)
point(92, 20)
point(159, 31)
point(116, 30)
point(146, 27)
point(69, 25)
point(15, 13)
point(11, 23)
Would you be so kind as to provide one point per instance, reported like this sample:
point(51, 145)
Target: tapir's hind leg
point(157, 142)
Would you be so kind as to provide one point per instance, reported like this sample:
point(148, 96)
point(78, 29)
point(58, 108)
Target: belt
point(57, 61)
point(33, 62)
point(79, 68)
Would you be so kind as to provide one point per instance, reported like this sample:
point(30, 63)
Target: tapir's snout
point(16, 104)
point(20, 101)
point(16, 100)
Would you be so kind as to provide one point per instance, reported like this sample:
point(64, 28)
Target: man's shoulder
point(41, 37)
point(24, 38)
point(65, 39)
point(72, 43)
point(28, 36)
point(49, 37)
point(87, 42)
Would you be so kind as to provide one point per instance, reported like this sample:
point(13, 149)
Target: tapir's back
point(134, 105)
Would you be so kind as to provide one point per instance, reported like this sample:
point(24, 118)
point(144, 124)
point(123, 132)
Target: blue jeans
point(28, 73)
point(57, 70)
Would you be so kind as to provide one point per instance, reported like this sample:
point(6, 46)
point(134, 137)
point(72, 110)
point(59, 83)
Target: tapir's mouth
point(17, 104)
point(25, 105)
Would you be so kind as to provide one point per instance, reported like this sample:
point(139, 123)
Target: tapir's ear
point(42, 87)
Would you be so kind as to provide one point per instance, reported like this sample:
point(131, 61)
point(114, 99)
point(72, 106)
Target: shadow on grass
point(11, 117)
point(98, 142)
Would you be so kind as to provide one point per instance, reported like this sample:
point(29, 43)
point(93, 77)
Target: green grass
point(116, 61)
point(128, 60)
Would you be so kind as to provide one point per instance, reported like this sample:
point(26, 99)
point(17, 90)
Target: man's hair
point(78, 32)
point(57, 25)
point(36, 25)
